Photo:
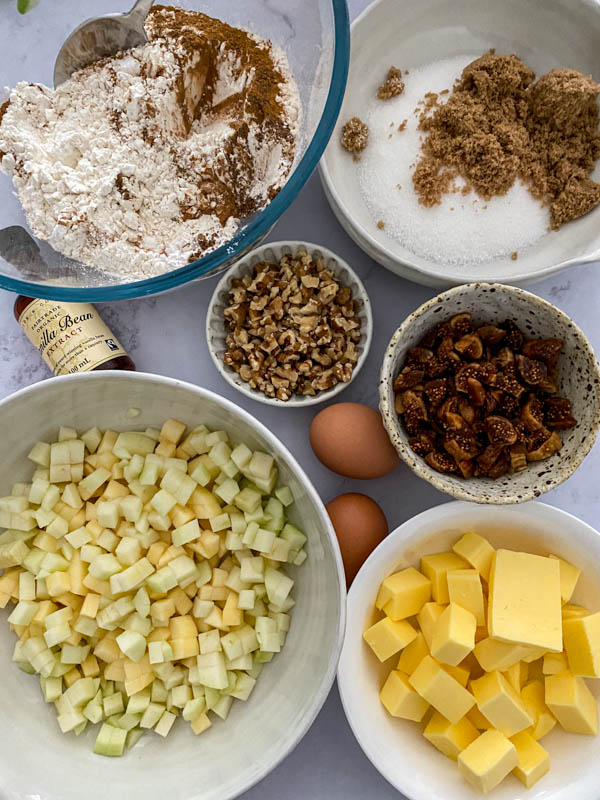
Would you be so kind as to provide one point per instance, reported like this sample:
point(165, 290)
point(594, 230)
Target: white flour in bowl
point(148, 160)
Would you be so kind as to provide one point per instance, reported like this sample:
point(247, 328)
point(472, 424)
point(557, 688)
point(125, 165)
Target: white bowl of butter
point(395, 746)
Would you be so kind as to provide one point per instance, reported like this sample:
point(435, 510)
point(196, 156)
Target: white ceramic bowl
point(36, 760)
point(396, 747)
point(578, 379)
point(216, 331)
point(545, 33)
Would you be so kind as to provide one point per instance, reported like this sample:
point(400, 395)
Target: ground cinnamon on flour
point(500, 124)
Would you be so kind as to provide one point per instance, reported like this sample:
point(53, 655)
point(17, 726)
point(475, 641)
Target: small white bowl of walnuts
point(290, 324)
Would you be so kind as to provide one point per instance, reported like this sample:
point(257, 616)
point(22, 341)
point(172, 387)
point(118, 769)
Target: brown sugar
point(381, 224)
point(499, 124)
point(392, 86)
point(402, 126)
point(355, 135)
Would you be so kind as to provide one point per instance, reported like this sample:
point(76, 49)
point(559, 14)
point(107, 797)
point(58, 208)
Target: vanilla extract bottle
point(70, 337)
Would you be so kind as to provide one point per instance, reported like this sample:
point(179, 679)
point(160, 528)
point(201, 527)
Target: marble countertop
point(165, 335)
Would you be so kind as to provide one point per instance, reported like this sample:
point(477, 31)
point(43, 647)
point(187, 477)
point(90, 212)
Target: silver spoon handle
point(140, 10)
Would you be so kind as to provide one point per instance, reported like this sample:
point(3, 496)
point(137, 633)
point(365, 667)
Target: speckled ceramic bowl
point(578, 379)
point(216, 330)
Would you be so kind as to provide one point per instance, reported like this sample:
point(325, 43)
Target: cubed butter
point(534, 761)
point(458, 673)
point(571, 611)
point(569, 575)
point(498, 701)
point(450, 739)
point(464, 589)
point(386, 637)
point(488, 760)
point(582, 645)
point(495, 655)
point(470, 663)
point(534, 698)
point(572, 703)
point(476, 718)
point(427, 617)
point(534, 654)
point(400, 699)
point(517, 675)
point(525, 600)
point(477, 552)
point(555, 662)
point(403, 594)
point(441, 690)
point(436, 568)
point(413, 654)
point(453, 635)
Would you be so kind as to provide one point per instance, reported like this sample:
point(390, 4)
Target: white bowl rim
point(385, 256)
point(391, 543)
point(417, 464)
point(293, 402)
point(303, 724)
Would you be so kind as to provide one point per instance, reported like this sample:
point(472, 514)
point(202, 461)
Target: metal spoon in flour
point(99, 37)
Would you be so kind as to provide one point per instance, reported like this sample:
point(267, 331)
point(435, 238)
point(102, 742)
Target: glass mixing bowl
point(315, 37)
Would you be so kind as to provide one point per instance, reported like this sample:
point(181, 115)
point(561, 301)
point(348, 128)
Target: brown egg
point(350, 439)
point(359, 526)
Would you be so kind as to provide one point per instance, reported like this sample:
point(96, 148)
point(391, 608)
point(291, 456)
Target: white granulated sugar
point(111, 173)
point(463, 229)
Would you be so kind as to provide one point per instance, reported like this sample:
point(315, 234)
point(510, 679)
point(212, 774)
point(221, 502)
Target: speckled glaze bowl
point(578, 379)
point(217, 331)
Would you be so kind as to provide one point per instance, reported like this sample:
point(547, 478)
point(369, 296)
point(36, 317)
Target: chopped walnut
point(293, 328)
point(392, 86)
point(355, 135)
point(481, 402)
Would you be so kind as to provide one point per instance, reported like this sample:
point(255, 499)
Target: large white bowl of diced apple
point(161, 549)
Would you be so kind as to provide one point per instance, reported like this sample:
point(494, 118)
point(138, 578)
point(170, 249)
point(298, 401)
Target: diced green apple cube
point(247, 500)
point(40, 454)
point(186, 533)
point(110, 741)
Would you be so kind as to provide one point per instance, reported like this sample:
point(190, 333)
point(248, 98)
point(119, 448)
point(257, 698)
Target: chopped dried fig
point(504, 357)
point(546, 350)
point(489, 457)
point(436, 391)
point(518, 457)
point(419, 356)
point(548, 386)
point(510, 385)
point(558, 413)
point(500, 466)
point(467, 412)
point(470, 346)
point(422, 444)
point(408, 379)
point(532, 414)
point(461, 324)
point(475, 391)
point(415, 411)
point(531, 371)
point(484, 372)
point(514, 338)
point(461, 447)
point(434, 368)
point(490, 334)
point(466, 467)
point(500, 430)
point(542, 444)
point(441, 462)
